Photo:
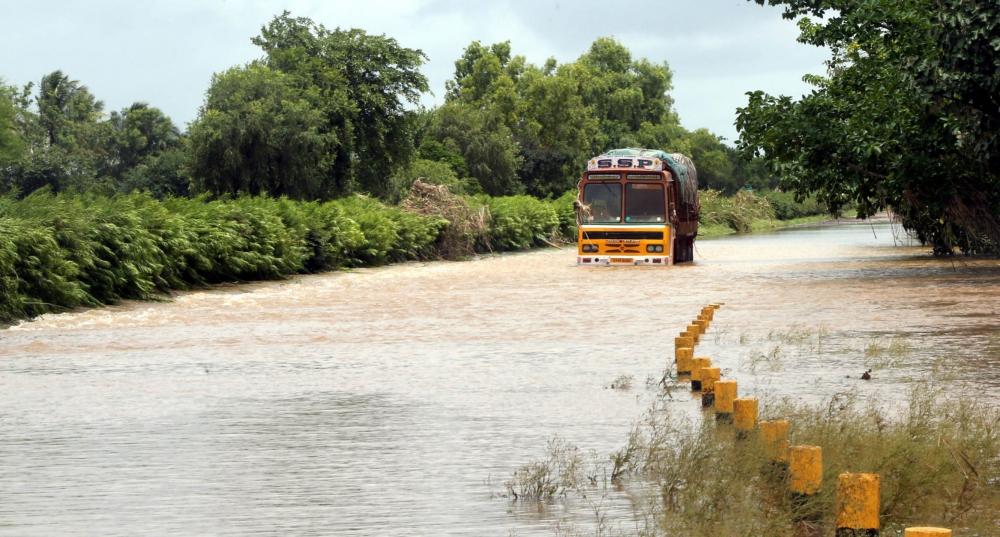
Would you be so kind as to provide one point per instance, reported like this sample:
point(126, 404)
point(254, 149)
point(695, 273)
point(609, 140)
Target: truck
point(637, 207)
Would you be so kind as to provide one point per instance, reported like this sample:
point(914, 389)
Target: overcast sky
point(165, 52)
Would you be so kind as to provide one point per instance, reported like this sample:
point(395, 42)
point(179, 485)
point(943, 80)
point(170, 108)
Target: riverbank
point(761, 225)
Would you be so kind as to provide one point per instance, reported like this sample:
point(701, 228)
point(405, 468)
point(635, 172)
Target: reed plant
point(938, 458)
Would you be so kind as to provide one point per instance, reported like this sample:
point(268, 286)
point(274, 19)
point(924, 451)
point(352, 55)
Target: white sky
point(164, 52)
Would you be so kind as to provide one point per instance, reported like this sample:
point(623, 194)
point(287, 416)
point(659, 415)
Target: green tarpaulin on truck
point(681, 166)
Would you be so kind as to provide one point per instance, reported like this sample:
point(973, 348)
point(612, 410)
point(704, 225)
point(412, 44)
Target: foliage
point(519, 127)
point(787, 206)
point(11, 145)
point(906, 119)
point(259, 133)
point(61, 250)
point(468, 222)
point(485, 144)
point(139, 132)
point(937, 459)
point(329, 112)
point(68, 144)
point(362, 83)
point(520, 222)
point(162, 174)
point(737, 212)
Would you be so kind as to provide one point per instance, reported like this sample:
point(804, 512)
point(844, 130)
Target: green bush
point(519, 222)
point(567, 214)
point(786, 207)
point(61, 251)
point(737, 212)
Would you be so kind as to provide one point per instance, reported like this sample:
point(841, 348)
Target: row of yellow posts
point(858, 494)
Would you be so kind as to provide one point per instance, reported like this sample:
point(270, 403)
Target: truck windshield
point(644, 203)
point(605, 202)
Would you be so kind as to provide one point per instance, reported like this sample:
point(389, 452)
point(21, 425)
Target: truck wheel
point(682, 250)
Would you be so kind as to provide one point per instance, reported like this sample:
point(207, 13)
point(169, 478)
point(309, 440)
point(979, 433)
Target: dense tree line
point(906, 118)
point(324, 113)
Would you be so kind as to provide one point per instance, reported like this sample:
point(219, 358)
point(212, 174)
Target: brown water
point(397, 400)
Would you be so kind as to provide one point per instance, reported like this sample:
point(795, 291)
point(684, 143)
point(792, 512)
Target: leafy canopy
point(906, 118)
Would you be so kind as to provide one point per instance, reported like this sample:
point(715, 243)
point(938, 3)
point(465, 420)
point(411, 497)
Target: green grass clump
point(738, 212)
point(520, 222)
point(939, 462)
point(787, 207)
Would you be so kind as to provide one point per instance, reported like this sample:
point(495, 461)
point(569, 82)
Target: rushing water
point(396, 401)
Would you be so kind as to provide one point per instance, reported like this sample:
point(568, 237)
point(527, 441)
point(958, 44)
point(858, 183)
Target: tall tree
point(364, 83)
point(11, 144)
point(66, 142)
point(67, 111)
point(906, 119)
point(560, 115)
point(139, 132)
point(260, 132)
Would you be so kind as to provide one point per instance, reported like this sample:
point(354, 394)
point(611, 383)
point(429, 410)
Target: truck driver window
point(605, 202)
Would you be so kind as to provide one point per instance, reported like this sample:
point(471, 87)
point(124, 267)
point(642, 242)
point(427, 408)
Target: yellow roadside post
point(805, 476)
point(858, 505)
point(708, 313)
point(701, 324)
point(725, 394)
point(709, 376)
point(697, 365)
point(684, 340)
point(694, 331)
point(774, 434)
point(745, 415)
point(683, 357)
point(926, 532)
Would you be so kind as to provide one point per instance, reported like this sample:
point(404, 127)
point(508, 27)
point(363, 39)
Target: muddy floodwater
point(397, 400)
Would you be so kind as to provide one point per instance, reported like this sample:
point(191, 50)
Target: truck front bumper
point(624, 261)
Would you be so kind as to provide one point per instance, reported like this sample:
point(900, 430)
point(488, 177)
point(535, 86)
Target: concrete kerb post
point(698, 363)
point(745, 416)
point(725, 394)
point(805, 476)
point(683, 357)
point(858, 505)
point(709, 376)
point(694, 332)
point(774, 434)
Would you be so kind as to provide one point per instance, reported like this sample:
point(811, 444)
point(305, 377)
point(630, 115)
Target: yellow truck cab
point(637, 207)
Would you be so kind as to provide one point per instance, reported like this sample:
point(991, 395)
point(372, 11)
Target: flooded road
point(397, 400)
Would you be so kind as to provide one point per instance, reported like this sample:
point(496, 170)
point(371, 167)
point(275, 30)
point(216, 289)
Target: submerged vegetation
point(60, 251)
point(939, 463)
